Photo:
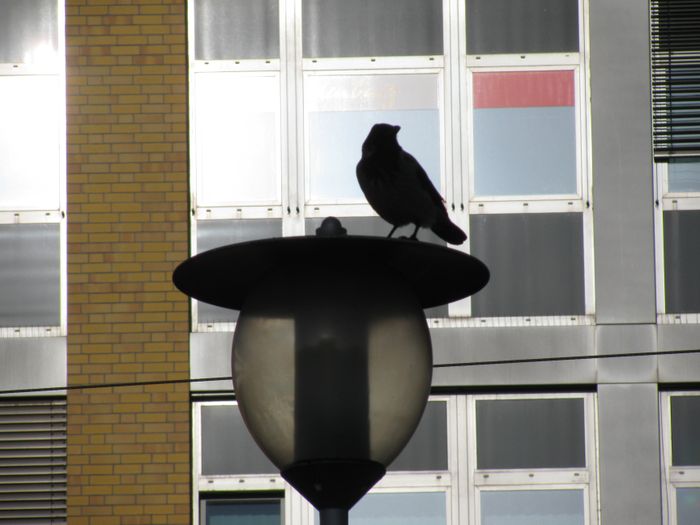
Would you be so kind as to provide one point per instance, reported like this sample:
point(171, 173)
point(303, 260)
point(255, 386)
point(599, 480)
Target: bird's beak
point(396, 129)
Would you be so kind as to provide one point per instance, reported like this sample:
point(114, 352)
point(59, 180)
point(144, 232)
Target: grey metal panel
point(682, 260)
point(456, 345)
point(630, 472)
point(622, 165)
point(212, 234)
point(27, 26)
point(338, 28)
point(35, 362)
point(530, 433)
point(685, 430)
point(210, 356)
point(427, 448)
point(376, 227)
point(29, 275)
point(536, 264)
point(227, 446)
point(535, 26)
point(612, 339)
point(236, 30)
point(679, 368)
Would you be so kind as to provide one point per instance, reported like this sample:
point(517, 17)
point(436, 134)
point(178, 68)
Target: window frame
point(455, 69)
point(666, 200)
point(586, 478)
point(460, 482)
point(28, 215)
point(673, 477)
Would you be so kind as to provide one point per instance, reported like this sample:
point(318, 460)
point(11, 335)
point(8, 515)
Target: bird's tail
point(448, 231)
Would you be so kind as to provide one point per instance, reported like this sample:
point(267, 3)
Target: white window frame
point(57, 71)
point(461, 482)
point(673, 477)
point(455, 68)
point(666, 200)
point(585, 479)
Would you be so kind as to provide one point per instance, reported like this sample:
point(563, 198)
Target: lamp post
point(331, 360)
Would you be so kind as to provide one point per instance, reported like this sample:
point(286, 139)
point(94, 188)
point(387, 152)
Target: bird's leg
point(414, 234)
point(391, 232)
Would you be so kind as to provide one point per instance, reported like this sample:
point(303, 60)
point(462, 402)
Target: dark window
point(530, 433)
point(532, 26)
point(685, 430)
point(338, 28)
point(427, 449)
point(29, 275)
point(212, 234)
point(227, 447)
point(682, 260)
point(240, 29)
point(536, 264)
point(261, 511)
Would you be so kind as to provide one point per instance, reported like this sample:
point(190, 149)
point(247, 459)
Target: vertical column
point(623, 204)
point(128, 447)
point(630, 471)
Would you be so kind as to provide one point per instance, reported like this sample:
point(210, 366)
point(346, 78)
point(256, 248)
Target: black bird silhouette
point(398, 188)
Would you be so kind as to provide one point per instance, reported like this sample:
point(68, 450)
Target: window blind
point(675, 58)
point(33, 461)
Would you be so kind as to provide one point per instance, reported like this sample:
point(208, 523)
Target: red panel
point(523, 89)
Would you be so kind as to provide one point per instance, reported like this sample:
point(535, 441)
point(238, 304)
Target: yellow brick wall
point(128, 447)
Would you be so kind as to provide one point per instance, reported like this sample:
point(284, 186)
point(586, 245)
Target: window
point(32, 186)
point(33, 461)
point(474, 460)
point(675, 54)
point(680, 414)
point(284, 93)
point(533, 459)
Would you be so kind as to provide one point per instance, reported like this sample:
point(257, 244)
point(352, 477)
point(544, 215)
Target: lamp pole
point(331, 358)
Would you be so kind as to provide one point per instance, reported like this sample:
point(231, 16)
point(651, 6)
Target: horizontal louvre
point(675, 56)
point(33, 461)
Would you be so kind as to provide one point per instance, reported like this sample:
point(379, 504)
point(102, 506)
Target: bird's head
point(382, 137)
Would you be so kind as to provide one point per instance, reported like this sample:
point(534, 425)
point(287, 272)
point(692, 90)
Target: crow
point(399, 190)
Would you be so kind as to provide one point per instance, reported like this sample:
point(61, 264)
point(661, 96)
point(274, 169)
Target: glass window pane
point(530, 433)
point(414, 508)
point(685, 430)
point(688, 506)
point(535, 26)
point(536, 264)
point(28, 32)
point(30, 123)
point(532, 507)
point(29, 275)
point(226, 444)
point(212, 234)
point(341, 109)
point(684, 175)
point(236, 29)
point(427, 449)
point(237, 139)
point(524, 133)
point(361, 28)
point(244, 512)
point(681, 261)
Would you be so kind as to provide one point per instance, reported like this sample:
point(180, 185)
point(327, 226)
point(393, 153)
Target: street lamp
point(331, 360)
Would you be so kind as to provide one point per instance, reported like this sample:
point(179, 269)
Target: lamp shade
point(332, 368)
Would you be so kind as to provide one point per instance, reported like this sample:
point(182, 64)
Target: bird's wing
point(422, 178)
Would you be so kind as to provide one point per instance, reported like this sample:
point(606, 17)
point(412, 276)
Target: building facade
point(563, 136)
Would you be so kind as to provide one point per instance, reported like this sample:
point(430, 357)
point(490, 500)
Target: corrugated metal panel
point(33, 461)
